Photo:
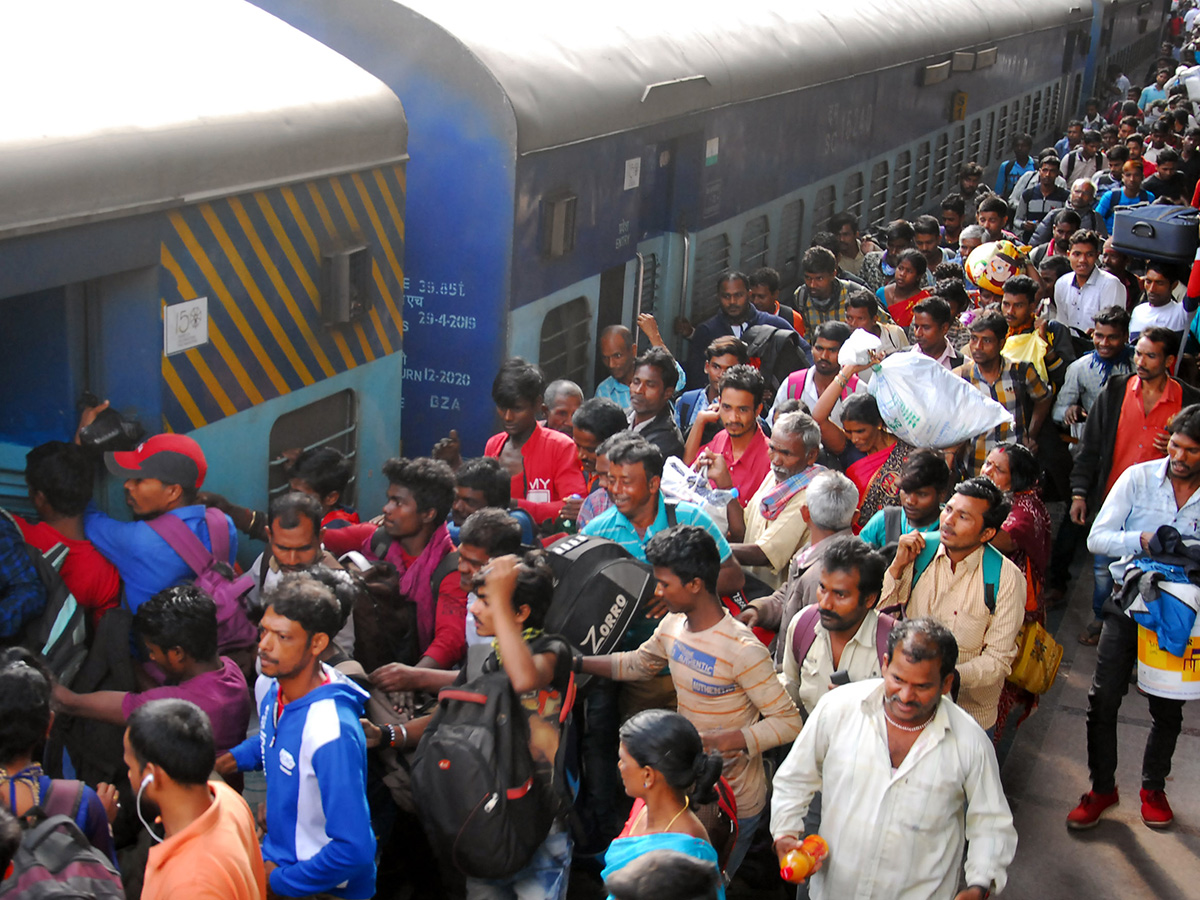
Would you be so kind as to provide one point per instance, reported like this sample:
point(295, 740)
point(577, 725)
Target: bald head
point(616, 349)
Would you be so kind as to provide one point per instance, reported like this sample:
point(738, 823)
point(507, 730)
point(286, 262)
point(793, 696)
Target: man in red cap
point(162, 477)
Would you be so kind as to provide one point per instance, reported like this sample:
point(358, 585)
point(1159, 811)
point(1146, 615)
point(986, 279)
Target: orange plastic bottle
point(799, 863)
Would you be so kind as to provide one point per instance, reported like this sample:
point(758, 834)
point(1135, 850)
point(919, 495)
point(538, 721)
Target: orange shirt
point(215, 858)
point(1136, 430)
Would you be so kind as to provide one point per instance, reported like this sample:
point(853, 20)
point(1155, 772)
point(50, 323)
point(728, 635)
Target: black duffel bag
point(1156, 231)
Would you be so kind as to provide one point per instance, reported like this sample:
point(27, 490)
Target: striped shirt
point(724, 679)
point(1017, 384)
point(987, 642)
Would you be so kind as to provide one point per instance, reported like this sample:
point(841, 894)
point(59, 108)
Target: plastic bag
point(857, 349)
point(925, 405)
point(681, 483)
point(1030, 348)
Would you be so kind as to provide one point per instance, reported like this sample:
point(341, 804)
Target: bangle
point(391, 734)
point(403, 735)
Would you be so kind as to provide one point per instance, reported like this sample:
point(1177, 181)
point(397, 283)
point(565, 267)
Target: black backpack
point(776, 353)
point(479, 797)
point(55, 861)
point(59, 631)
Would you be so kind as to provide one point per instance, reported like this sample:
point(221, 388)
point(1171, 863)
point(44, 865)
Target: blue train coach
point(201, 219)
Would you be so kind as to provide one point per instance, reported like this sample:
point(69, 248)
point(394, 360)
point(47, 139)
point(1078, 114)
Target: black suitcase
point(1155, 231)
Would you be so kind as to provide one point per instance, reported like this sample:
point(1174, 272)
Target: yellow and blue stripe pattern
point(257, 258)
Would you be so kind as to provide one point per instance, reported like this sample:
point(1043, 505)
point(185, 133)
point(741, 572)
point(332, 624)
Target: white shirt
point(809, 397)
point(1077, 306)
point(895, 835)
point(1170, 315)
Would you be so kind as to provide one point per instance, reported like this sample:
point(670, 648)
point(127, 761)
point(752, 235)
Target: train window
point(1025, 105)
point(558, 224)
point(1076, 91)
point(1000, 147)
point(650, 281)
point(1035, 117)
point(941, 157)
point(976, 151)
point(903, 176)
point(1054, 96)
point(756, 237)
point(826, 204)
point(329, 422)
point(853, 194)
point(958, 150)
point(566, 341)
point(791, 241)
point(879, 193)
point(712, 258)
point(921, 190)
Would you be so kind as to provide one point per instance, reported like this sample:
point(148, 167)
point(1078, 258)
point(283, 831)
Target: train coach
point(201, 219)
point(570, 164)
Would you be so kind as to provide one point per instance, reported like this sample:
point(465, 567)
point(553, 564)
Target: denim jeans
point(544, 878)
point(1116, 656)
point(1103, 582)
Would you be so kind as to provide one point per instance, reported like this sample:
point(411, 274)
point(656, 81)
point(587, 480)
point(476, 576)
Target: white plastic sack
point(681, 483)
point(924, 404)
point(857, 349)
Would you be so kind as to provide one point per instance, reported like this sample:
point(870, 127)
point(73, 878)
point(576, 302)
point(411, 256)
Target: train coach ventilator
point(1154, 231)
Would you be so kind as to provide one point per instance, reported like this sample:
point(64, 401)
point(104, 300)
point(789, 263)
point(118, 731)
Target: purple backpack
point(214, 575)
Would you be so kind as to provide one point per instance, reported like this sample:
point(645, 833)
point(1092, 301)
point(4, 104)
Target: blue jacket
point(315, 762)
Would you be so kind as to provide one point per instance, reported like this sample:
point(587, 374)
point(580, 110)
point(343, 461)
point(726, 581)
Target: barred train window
point(329, 422)
point(566, 341)
point(712, 258)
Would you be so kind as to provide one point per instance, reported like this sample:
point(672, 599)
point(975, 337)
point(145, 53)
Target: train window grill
point(989, 151)
point(825, 206)
point(1035, 116)
point(958, 150)
point(921, 189)
point(712, 258)
point(566, 341)
point(1055, 104)
point(941, 156)
point(901, 185)
point(791, 232)
point(329, 422)
point(853, 194)
point(877, 208)
point(1000, 147)
point(976, 152)
point(1076, 92)
point(756, 238)
point(650, 281)
point(1025, 106)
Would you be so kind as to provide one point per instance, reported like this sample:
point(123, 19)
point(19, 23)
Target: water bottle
point(801, 862)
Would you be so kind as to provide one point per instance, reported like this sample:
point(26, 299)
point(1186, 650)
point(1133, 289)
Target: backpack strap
point(891, 524)
point(993, 561)
point(218, 533)
point(804, 635)
point(179, 538)
point(685, 409)
point(925, 557)
point(882, 629)
point(672, 520)
point(63, 798)
point(448, 564)
point(381, 541)
point(798, 384)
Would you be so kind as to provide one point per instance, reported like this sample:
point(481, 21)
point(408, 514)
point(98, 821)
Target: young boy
point(723, 674)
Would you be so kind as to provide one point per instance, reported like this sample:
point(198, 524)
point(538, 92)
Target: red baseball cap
point(171, 458)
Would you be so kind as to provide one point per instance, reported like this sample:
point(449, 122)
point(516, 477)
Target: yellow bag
point(1030, 348)
point(1038, 657)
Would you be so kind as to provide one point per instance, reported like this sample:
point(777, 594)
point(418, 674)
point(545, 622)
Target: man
point(413, 537)
point(843, 633)
point(600, 499)
point(862, 311)
point(896, 822)
point(923, 481)
point(1168, 184)
point(1125, 426)
point(1072, 140)
point(823, 296)
point(953, 210)
point(1011, 170)
point(772, 528)
point(1161, 131)
point(927, 238)
point(210, 849)
point(162, 477)
point(1014, 385)
point(596, 421)
point(1044, 197)
point(993, 218)
point(736, 315)
point(1066, 223)
point(1019, 308)
point(1116, 263)
point(764, 294)
point(807, 385)
point(721, 671)
point(931, 323)
point(1147, 496)
point(650, 395)
point(59, 477)
point(561, 399)
point(1107, 179)
point(618, 349)
point(1130, 193)
point(1087, 289)
point(1085, 160)
point(1156, 91)
point(721, 355)
point(542, 463)
point(311, 748)
point(1160, 307)
point(1083, 203)
point(179, 630)
point(830, 510)
point(482, 482)
point(970, 238)
point(954, 588)
point(972, 189)
point(851, 249)
point(737, 457)
point(879, 267)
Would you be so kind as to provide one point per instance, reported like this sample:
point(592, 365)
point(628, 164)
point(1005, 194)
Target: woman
point(25, 720)
point(870, 454)
point(1025, 539)
point(665, 769)
point(906, 289)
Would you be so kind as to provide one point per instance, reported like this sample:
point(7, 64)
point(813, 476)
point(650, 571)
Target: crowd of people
point(843, 609)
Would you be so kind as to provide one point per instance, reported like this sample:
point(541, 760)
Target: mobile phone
point(840, 677)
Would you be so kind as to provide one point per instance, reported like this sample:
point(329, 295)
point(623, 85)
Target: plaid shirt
point(1017, 388)
point(814, 315)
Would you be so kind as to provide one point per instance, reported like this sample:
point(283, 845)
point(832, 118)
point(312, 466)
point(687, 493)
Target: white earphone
point(148, 780)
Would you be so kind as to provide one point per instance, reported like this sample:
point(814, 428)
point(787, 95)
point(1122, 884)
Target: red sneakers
point(1156, 811)
point(1091, 804)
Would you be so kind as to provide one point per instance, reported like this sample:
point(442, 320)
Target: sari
point(877, 477)
point(624, 850)
point(1029, 527)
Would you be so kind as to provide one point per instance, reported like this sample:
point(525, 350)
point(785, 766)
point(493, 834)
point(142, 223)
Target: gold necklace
point(682, 810)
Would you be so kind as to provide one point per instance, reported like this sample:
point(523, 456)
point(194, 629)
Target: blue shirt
point(613, 525)
point(1010, 173)
point(146, 563)
point(875, 531)
point(611, 389)
point(1107, 207)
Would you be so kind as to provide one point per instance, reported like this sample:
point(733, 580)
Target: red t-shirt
point(750, 469)
point(550, 473)
point(91, 578)
point(1136, 431)
point(449, 642)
